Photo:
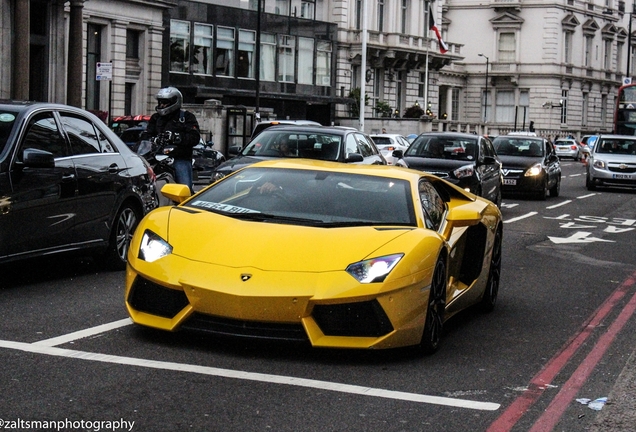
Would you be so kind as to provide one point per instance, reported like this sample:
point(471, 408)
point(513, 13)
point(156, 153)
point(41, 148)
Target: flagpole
point(363, 65)
point(426, 20)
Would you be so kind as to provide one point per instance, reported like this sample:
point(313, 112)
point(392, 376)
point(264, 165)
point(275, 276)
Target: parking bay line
point(250, 376)
point(84, 333)
point(527, 215)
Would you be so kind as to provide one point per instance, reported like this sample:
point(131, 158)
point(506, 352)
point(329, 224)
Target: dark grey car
point(337, 144)
point(466, 160)
point(67, 183)
point(530, 165)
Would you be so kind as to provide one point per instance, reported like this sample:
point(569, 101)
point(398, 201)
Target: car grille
point(362, 319)
point(627, 169)
point(250, 329)
point(149, 297)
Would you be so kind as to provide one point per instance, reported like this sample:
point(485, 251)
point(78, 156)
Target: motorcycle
point(205, 159)
point(157, 154)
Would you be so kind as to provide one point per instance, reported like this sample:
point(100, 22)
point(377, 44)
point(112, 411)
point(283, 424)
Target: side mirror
point(176, 192)
point(399, 154)
point(234, 150)
point(354, 157)
point(36, 158)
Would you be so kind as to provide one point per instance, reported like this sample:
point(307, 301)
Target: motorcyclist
point(177, 128)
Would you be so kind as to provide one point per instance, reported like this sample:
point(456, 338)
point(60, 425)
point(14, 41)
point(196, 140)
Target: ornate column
point(75, 65)
point(22, 33)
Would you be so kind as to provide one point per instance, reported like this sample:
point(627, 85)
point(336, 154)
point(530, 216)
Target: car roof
point(336, 130)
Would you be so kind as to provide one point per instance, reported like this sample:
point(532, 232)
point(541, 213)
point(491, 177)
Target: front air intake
point(362, 319)
point(152, 298)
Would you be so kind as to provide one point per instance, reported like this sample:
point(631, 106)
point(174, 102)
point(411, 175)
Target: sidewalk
point(619, 413)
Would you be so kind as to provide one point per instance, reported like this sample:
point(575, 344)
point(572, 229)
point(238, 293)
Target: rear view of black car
point(466, 160)
point(530, 165)
point(67, 183)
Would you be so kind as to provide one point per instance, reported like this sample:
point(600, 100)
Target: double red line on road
point(539, 383)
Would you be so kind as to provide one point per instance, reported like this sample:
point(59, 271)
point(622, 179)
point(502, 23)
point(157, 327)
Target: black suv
point(67, 183)
point(338, 144)
point(466, 160)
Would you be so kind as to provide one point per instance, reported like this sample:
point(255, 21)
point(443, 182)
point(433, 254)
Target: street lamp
point(486, 97)
point(629, 42)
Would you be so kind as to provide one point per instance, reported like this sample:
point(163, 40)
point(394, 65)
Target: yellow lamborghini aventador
point(338, 255)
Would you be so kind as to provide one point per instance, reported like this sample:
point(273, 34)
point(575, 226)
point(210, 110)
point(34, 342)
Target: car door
point(489, 170)
point(552, 164)
point(39, 210)
point(100, 176)
point(369, 151)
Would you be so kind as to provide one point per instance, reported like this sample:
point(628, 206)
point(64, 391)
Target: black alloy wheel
point(556, 189)
point(434, 321)
point(489, 299)
point(123, 229)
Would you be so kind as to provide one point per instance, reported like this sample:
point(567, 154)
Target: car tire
point(123, 228)
point(489, 300)
point(556, 189)
point(499, 198)
point(542, 194)
point(434, 319)
point(589, 183)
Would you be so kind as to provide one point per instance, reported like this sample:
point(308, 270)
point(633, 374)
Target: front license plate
point(623, 176)
point(512, 182)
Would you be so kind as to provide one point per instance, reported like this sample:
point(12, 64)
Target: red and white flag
point(443, 48)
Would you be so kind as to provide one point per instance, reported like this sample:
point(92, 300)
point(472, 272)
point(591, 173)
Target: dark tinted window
point(365, 147)
point(82, 134)
point(519, 146)
point(444, 147)
point(7, 120)
point(432, 204)
point(42, 134)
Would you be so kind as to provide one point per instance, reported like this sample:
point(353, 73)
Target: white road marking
point(586, 196)
point(250, 376)
point(575, 175)
point(527, 215)
point(84, 333)
point(559, 204)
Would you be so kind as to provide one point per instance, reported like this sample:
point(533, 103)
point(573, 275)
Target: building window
point(129, 91)
point(619, 58)
point(607, 55)
point(455, 103)
point(507, 47)
point(603, 110)
point(179, 46)
point(224, 60)
point(93, 55)
point(245, 66)
point(380, 15)
point(524, 106)
point(282, 7)
point(132, 44)
point(358, 14)
point(505, 106)
point(202, 53)
point(564, 106)
point(585, 108)
point(307, 9)
point(567, 48)
point(268, 57)
point(306, 61)
point(323, 63)
point(286, 58)
point(421, 86)
point(588, 51)
point(405, 15)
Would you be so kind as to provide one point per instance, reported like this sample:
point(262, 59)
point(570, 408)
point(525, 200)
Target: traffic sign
point(104, 71)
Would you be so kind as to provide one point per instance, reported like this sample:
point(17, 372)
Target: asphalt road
point(563, 334)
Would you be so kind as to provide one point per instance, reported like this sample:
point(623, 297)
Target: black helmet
point(169, 100)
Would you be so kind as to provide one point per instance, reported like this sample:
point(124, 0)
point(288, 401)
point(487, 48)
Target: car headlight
point(599, 164)
point(534, 170)
point(153, 247)
point(375, 269)
point(465, 171)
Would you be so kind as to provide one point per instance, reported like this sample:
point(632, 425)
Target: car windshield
point(7, 120)
point(441, 147)
point(617, 146)
point(518, 146)
point(293, 144)
point(310, 197)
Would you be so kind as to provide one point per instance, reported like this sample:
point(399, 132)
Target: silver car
point(568, 148)
point(612, 162)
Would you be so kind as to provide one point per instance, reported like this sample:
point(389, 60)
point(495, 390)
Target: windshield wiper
point(268, 217)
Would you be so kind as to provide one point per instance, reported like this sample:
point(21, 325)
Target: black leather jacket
point(182, 122)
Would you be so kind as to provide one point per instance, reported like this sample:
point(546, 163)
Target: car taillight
point(573, 147)
point(151, 173)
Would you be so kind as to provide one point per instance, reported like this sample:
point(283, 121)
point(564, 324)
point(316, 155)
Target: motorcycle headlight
point(374, 269)
point(599, 164)
point(153, 247)
point(534, 170)
point(465, 171)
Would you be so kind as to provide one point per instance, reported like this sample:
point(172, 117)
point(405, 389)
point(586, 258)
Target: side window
point(364, 146)
point(352, 145)
point(82, 134)
point(42, 134)
point(432, 204)
point(488, 148)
